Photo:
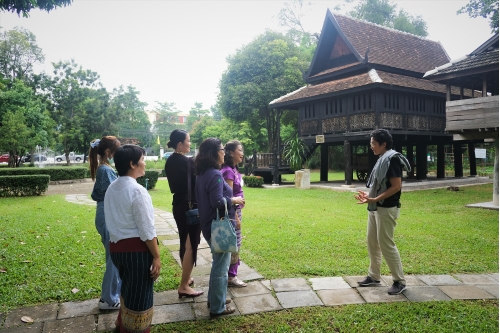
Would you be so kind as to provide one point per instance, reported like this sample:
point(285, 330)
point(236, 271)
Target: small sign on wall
point(480, 152)
point(320, 139)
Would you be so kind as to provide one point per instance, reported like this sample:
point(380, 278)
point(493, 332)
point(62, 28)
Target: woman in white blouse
point(133, 244)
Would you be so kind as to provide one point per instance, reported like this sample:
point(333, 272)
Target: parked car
point(36, 158)
point(4, 158)
point(72, 157)
point(167, 154)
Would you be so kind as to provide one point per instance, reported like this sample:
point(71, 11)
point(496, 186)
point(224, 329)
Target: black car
point(36, 158)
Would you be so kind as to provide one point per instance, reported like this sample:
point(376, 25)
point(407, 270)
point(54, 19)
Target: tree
point(216, 114)
point(130, 119)
point(483, 8)
point(385, 13)
point(24, 120)
point(267, 68)
point(291, 17)
point(18, 53)
point(165, 120)
point(24, 6)
point(195, 114)
point(75, 95)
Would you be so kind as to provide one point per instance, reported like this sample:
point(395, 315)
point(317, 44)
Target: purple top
point(233, 174)
point(210, 187)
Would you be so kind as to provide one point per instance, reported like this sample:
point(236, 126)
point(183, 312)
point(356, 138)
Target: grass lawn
point(49, 246)
point(426, 317)
point(292, 233)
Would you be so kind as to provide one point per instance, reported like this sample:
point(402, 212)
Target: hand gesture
point(362, 197)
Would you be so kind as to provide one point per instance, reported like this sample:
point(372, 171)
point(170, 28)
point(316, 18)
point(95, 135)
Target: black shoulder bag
point(192, 216)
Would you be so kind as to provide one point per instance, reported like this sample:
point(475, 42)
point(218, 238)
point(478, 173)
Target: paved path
point(259, 296)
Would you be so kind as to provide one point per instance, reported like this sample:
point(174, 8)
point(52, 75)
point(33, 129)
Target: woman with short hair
point(210, 191)
point(133, 242)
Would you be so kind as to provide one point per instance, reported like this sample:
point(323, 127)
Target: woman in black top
point(176, 170)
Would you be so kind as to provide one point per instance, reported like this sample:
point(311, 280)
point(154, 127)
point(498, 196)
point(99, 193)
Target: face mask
point(110, 161)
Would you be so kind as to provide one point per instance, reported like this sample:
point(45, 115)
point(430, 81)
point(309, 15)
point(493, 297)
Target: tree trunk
point(12, 159)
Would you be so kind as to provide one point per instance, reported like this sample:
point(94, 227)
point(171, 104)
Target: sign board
point(320, 139)
point(480, 152)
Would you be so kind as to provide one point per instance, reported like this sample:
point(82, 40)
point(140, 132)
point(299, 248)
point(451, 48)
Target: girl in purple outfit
point(233, 155)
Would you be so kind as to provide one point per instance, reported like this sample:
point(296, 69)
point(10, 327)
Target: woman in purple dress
point(233, 155)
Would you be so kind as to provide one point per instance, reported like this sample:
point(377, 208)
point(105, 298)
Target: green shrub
point(23, 185)
point(56, 173)
point(253, 181)
point(151, 176)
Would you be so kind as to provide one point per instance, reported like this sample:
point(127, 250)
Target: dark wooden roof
point(345, 41)
point(490, 45)
point(481, 60)
point(372, 77)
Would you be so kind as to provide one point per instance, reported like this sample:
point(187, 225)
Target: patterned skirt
point(136, 311)
point(235, 257)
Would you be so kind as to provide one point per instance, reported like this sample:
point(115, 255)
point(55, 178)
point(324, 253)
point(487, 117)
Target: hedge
point(23, 185)
point(55, 173)
point(253, 181)
point(151, 176)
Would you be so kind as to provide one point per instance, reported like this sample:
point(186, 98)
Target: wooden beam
point(448, 91)
point(475, 136)
point(485, 86)
point(348, 164)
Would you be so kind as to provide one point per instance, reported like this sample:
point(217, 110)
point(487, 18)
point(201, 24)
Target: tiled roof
point(469, 62)
point(371, 77)
point(391, 47)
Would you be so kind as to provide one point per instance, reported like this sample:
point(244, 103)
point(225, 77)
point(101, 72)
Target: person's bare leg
point(187, 269)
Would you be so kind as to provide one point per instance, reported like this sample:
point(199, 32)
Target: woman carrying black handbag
point(179, 169)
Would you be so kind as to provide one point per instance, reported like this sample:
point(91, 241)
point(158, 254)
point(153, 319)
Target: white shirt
point(128, 211)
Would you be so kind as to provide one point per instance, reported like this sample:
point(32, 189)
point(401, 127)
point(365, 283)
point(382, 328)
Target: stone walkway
point(259, 296)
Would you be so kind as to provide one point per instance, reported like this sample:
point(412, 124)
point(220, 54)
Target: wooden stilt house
point(362, 77)
point(473, 118)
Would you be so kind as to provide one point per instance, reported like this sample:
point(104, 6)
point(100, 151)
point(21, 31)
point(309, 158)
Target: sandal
point(235, 282)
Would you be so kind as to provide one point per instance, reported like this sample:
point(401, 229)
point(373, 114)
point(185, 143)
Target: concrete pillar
point(303, 179)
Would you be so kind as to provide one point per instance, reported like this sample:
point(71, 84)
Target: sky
point(176, 51)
